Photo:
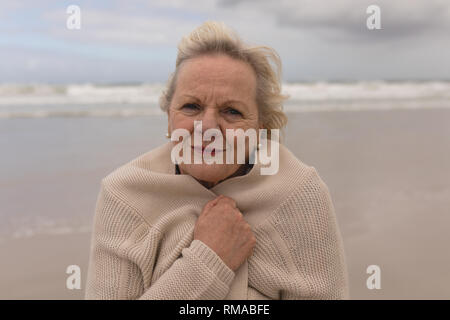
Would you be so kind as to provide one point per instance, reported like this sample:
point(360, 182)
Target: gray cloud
point(346, 19)
point(136, 40)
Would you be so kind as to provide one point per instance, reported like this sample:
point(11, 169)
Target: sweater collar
point(162, 163)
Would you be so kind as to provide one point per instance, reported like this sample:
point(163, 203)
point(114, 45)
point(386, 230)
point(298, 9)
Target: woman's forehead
point(216, 68)
point(224, 76)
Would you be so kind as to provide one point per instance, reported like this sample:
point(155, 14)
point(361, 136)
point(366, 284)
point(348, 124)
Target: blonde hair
point(215, 37)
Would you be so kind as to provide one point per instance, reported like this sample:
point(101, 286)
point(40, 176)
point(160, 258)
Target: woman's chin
point(211, 173)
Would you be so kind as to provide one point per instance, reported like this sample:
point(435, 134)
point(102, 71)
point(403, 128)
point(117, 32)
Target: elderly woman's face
point(221, 92)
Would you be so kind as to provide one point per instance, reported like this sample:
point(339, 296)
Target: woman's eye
point(190, 106)
point(233, 112)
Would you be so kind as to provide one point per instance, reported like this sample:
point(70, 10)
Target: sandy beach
point(388, 173)
point(35, 268)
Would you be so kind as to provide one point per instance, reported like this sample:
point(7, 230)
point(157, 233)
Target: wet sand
point(35, 268)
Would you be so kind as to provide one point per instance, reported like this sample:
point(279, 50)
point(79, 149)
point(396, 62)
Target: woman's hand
point(222, 227)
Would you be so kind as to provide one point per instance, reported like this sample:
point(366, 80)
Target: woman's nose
point(209, 119)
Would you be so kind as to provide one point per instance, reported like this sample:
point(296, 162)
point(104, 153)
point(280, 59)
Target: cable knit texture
point(142, 243)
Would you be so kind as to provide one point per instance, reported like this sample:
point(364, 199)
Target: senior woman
point(165, 230)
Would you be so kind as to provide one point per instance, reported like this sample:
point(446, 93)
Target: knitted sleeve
point(123, 252)
point(304, 234)
point(308, 225)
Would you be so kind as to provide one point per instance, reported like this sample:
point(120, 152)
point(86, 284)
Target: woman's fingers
point(223, 228)
point(228, 200)
point(211, 204)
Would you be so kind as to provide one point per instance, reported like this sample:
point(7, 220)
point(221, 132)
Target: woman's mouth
point(206, 150)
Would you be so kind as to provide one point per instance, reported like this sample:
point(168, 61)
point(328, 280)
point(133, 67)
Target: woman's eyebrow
point(226, 102)
point(234, 102)
point(196, 99)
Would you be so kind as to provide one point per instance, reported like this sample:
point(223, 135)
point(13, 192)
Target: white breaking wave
point(19, 227)
point(368, 90)
point(91, 100)
point(79, 94)
point(40, 112)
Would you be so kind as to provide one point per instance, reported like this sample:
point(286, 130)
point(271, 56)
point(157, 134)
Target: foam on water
point(29, 227)
point(91, 100)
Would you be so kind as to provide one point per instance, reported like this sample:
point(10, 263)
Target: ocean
point(96, 100)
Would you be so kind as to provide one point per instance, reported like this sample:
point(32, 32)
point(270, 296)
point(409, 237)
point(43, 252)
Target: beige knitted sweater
point(142, 243)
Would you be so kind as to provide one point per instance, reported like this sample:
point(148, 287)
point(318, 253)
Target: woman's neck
point(208, 184)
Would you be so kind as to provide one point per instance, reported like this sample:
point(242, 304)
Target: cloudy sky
point(134, 40)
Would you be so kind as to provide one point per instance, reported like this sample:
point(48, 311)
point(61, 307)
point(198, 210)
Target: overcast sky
point(134, 40)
